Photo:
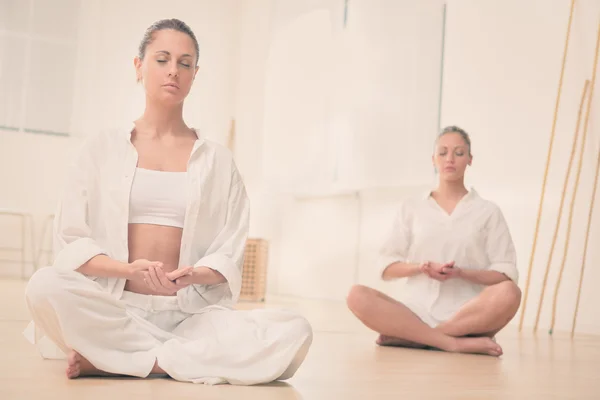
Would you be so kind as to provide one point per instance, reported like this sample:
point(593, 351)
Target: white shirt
point(92, 217)
point(475, 236)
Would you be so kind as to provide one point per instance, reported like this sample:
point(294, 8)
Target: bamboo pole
point(576, 187)
point(591, 210)
point(550, 146)
point(585, 247)
point(570, 221)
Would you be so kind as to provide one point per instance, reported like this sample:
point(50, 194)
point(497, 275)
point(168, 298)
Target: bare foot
point(477, 345)
point(79, 366)
point(384, 340)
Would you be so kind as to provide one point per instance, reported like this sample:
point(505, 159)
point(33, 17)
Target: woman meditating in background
point(149, 242)
point(457, 254)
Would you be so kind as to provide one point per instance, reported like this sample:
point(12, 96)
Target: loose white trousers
point(126, 336)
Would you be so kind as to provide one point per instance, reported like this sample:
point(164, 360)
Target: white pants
point(126, 336)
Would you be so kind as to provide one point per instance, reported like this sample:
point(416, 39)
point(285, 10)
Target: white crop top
point(158, 198)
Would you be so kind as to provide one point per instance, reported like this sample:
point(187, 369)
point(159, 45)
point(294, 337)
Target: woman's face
point(169, 67)
point(451, 157)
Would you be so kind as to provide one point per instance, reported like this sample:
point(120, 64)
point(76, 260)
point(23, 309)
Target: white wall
point(340, 105)
point(38, 49)
point(501, 77)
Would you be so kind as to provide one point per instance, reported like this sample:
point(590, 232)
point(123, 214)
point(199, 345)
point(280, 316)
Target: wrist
point(195, 276)
point(415, 268)
point(461, 273)
point(125, 270)
point(199, 275)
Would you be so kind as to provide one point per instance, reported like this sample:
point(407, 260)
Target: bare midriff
point(153, 243)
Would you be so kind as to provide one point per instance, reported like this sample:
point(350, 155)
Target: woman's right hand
point(436, 270)
point(138, 268)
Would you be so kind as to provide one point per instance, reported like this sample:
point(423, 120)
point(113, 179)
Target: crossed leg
point(483, 316)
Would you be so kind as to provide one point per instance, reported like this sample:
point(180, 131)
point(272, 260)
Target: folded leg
point(237, 347)
point(486, 314)
point(77, 314)
point(393, 319)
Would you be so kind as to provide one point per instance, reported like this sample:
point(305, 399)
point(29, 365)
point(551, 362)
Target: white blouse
point(92, 217)
point(475, 236)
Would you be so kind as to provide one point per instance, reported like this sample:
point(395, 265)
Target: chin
point(451, 177)
point(169, 100)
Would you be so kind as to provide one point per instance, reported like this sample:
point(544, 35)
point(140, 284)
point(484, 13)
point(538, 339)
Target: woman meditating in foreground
point(457, 254)
point(149, 239)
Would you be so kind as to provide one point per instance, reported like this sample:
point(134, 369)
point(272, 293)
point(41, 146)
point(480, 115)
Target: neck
point(158, 120)
point(452, 189)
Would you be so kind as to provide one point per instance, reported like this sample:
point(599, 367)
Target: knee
point(358, 299)
point(45, 284)
point(508, 294)
point(304, 329)
point(298, 329)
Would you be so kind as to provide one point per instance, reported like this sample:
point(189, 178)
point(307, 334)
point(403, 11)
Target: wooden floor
point(343, 363)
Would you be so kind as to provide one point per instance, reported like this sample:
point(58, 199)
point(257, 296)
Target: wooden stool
point(254, 275)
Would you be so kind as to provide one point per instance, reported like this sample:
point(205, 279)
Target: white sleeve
point(73, 241)
point(397, 243)
point(226, 252)
point(500, 247)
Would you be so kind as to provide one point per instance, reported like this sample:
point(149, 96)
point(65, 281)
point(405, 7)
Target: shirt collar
point(471, 193)
point(128, 129)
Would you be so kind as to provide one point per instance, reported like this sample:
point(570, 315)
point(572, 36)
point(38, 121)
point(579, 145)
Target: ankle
point(451, 344)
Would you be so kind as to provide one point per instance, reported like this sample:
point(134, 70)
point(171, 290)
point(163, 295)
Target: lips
point(172, 85)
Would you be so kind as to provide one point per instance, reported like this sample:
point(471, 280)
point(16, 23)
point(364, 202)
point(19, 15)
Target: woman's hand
point(437, 271)
point(138, 268)
point(452, 272)
point(198, 276)
point(160, 282)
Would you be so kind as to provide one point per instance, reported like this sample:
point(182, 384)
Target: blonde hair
point(461, 132)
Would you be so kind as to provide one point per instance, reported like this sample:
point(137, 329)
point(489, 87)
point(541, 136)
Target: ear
point(137, 63)
point(196, 71)
point(470, 160)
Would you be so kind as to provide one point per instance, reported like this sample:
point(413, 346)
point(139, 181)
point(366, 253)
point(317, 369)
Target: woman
point(150, 239)
point(457, 253)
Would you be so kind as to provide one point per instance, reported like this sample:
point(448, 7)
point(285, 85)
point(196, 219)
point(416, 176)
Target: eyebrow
point(167, 53)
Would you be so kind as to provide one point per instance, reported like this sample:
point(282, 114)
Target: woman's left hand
point(157, 280)
point(451, 272)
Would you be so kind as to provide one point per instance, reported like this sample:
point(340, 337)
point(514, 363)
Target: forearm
point(207, 276)
point(401, 270)
point(483, 277)
point(103, 266)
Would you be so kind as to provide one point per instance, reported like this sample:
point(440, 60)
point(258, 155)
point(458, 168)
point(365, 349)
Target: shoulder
point(490, 210)
point(221, 160)
point(88, 147)
point(409, 206)
point(484, 203)
point(217, 151)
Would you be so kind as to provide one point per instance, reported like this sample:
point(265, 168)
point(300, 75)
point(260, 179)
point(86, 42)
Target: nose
point(173, 69)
